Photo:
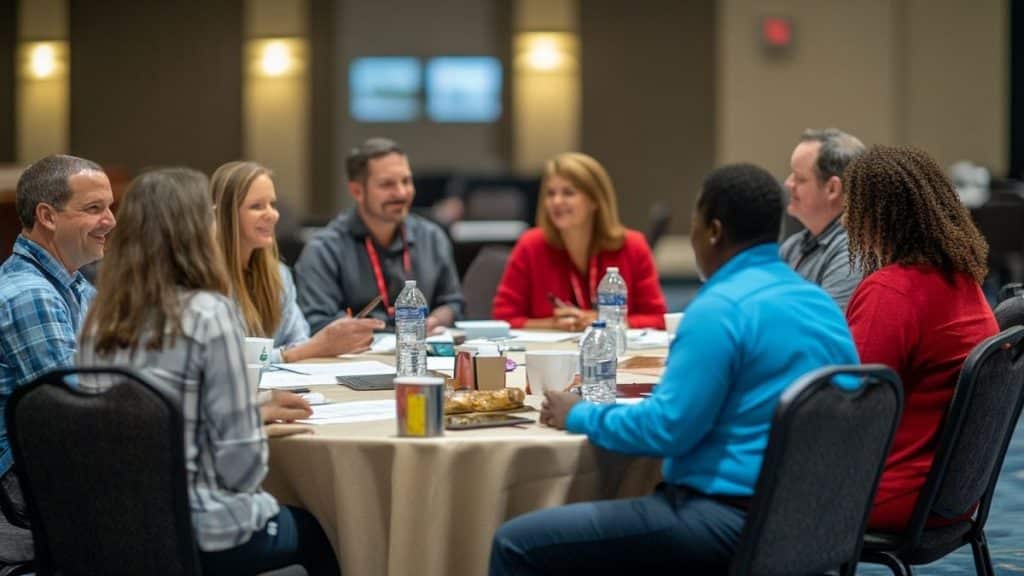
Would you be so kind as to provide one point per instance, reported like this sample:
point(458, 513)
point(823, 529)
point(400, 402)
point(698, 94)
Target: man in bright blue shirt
point(63, 204)
point(754, 328)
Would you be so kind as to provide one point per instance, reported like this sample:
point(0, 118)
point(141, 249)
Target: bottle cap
point(599, 324)
point(612, 269)
point(410, 282)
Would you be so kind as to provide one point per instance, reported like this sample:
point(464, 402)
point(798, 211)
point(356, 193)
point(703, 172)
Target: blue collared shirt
point(42, 307)
point(752, 330)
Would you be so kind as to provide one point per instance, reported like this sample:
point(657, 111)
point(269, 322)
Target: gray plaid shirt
point(225, 446)
point(825, 260)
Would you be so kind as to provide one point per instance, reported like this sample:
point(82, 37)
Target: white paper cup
point(257, 350)
point(672, 323)
point(550, 369)
point(253, 374)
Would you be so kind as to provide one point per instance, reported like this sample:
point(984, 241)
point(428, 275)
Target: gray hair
point(837, 150)
point(356, 165)
point(46, 180)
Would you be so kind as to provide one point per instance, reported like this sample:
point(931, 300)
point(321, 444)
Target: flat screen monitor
point(385, 89)
point(464, 89)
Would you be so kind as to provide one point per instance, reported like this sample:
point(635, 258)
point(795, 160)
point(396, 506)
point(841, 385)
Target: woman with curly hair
point(919, 310)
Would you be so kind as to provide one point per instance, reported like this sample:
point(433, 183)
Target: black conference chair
point(970, 451)
point(103, 476)
point(481, 281)
point(824, 457)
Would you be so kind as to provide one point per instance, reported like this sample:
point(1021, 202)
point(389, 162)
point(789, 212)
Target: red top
point(913, 320)
point(536, 269)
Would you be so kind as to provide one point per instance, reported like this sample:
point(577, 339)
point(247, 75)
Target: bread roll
point(485, 401)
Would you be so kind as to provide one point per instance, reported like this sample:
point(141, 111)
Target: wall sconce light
point(276, 57)
point(546, 51)
point(44, 60)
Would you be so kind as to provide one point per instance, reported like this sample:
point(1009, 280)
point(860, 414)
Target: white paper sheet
point(348, 412)
point(320, 374)
point(542, 337)
point(443, 363)
point(383, 343)
point(647, 338)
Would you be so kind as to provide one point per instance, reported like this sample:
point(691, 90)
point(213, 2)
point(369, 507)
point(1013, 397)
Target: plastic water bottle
point(411, 331)
point(598, 363)
point(611, 306)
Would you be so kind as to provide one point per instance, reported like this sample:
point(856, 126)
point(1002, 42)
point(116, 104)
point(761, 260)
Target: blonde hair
point(589, 177)
point(255, 285)
point(162, 243)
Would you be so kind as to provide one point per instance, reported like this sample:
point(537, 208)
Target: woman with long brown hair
point(920, 309)
point(163, 309)
point(246, 204)
point(552, 275)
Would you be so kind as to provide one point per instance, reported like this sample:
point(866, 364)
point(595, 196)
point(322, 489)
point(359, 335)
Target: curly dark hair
point(901, 209)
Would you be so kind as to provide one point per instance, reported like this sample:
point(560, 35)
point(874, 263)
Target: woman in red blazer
point(552, 275)
point(919, 310)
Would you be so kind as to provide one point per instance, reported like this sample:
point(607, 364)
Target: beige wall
point(276, 114)
point(41, 105)
point(926, 72)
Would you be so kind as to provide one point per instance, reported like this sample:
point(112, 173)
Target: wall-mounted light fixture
point(276, 57)
point(546, 51)
point(44, 60)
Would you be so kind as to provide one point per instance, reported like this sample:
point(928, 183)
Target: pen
point(292, 370)
point(557, 302)
point(369, 307)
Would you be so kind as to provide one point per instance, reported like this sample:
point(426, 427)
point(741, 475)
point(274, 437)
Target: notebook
point(368, 382)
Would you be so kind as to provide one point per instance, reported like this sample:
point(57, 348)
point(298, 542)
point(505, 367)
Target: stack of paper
point(292, 375)
point(347, 412)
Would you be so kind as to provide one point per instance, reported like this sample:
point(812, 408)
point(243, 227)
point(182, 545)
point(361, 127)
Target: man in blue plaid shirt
point(63, 204)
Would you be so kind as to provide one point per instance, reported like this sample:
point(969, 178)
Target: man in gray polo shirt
point(373, 248)
point(821, 252)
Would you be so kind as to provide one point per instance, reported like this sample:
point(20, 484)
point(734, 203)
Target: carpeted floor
point(1005, 527)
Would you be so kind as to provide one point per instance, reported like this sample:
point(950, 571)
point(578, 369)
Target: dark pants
point(15, 538)
point(672, 531)
point(292, 537)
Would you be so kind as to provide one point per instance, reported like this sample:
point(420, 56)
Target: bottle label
point(598, 371)
point(410, 314)
point(611, 299)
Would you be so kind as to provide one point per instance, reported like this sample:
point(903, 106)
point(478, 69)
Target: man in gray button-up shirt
point(821, 252)
point(375, 247)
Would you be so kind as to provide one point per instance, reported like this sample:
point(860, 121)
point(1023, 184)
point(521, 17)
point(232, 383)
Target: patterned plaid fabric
point(42, 307)
point(203, 373)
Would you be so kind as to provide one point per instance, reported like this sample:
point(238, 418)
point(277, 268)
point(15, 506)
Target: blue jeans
point(673, 531)
point(292, 537)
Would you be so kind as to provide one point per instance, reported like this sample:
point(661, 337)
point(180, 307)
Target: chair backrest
point(481, 281)
point(1008, 291)
point(1010, 312)
point(103, 476)
point(975, 434)
point(657, 222)
point(821, 467)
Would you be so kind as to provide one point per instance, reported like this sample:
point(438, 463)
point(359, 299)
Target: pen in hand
point(558, 302)
point(368, 308)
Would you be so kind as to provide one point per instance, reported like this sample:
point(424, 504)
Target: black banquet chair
point(975, 435)
point(481, 281)
point(824, 457)
point(103, 476)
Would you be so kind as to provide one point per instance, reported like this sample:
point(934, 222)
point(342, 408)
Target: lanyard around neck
point(577, 288)
point(378, 272)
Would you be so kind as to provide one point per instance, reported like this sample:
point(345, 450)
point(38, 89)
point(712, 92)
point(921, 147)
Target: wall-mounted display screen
point(464, 89)
point(385, 89)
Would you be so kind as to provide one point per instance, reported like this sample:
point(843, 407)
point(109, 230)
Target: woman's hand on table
point(284, 406)
point(572, 319)
point(342, 336)
point(556, 408)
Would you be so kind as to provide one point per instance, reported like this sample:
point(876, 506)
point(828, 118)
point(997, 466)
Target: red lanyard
point(378, 273)
point(577, 289)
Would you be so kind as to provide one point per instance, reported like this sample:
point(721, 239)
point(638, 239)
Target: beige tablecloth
point(430, 507)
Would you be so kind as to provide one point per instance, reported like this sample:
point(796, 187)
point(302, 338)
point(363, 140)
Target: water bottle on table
point(611, 306)
point(411, 331)
point(598, 364)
